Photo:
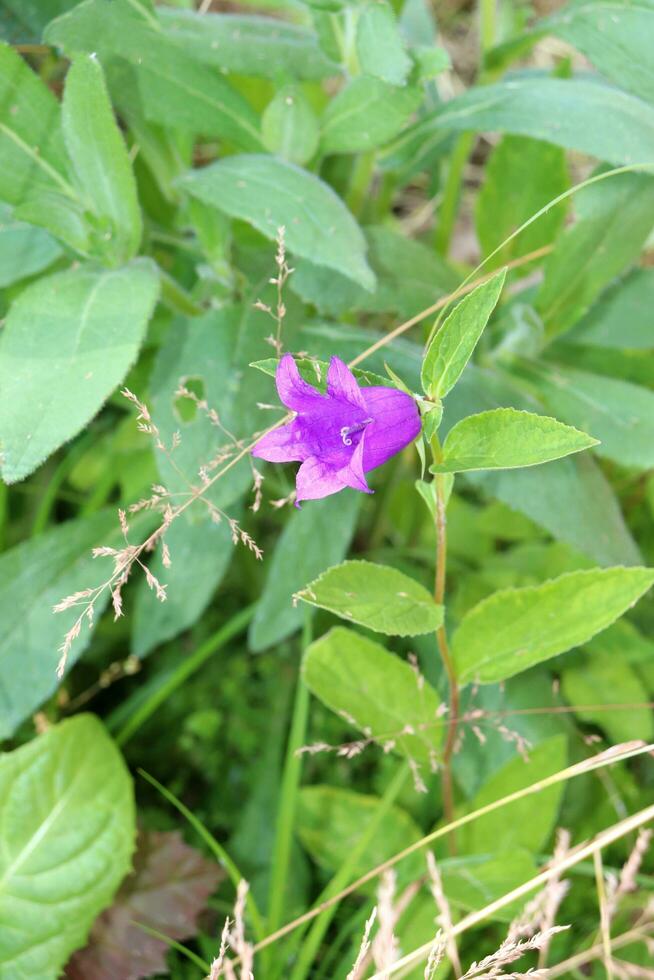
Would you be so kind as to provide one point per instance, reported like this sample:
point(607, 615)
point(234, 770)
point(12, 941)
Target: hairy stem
point(444, 650)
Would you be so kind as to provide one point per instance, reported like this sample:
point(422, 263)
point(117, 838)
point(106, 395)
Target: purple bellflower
point(340, 435)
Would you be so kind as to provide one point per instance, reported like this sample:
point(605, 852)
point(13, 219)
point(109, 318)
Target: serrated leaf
point(505, 438)
point(366, 114)
point(68, 341)
point(380, 46)
point(270, 194)
point(68, 835)
point(166, 890)
point(375, 596)
point(456, 339)
point(100, 161)
point(376, 691)
point(514, 629)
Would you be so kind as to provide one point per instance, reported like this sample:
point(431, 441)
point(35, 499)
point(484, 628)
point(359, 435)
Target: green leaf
point(200, 553)
point(514, 629)
point(376, 691)
point(598, 686)
point(380, 46)
point(24, 250)
point(621, 317)
point(527, 823)
point(615, 218)
point(376, 596)
point(330, 822)
point(248, 45)
point(456, 339)
point(22, 21)
point(32, 153)
point(577, 114)
point(100, 160)
point(270, 194)
point(170, 86)
point(68, 836)
point(366, 114)
point(314, 538)
point(619, 414)
point(505, 438)
point(522, 176)
point(35, 576)
point(289, 126)
point(68, 341)
point(615, 36)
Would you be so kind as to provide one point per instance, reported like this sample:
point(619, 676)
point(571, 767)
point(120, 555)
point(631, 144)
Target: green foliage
point(68, 835)
point(376, 691)
point(517, 628)
point(375, 596)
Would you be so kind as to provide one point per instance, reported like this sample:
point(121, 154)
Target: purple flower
point(340, 435)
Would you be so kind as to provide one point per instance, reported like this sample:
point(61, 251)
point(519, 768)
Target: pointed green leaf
point(380, 45)
point(375, 596)
point(365, 114)
point(452, 347)
point(68, 831)
point(376, 691)
point(69, 340)
point(517, 628)
point(505, 438)
point(99, 159)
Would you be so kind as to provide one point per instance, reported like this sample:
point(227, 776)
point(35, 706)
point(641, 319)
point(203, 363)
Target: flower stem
point(443, 646)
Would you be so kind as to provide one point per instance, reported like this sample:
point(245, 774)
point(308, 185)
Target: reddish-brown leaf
point(166, 891)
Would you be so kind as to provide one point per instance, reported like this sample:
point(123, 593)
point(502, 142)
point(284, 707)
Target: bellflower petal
point(284, 445)
point(341, 435)
point(396, 424)
point(342, 384)
point(294, 392)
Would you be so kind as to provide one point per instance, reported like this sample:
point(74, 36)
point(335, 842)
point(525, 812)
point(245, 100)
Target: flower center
point(349, 430)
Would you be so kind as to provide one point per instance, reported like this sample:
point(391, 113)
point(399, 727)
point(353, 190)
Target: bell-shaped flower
point(340, 435)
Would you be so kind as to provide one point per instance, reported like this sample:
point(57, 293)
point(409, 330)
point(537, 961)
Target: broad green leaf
point(577, 114)
point(330, 822)
point(505, 438)
point(375, 596)
point(289, 126)
point(99, 159)
point(248, 45)
point(366, 114)
point(615, 218)
point(24, 250)
point(200, 552)
point(270, 194)
point(22, 21)
point(621, 317)
point(34, 577)
point(521, 177)
point(68, 341)
point(171, 87)
point(607, 692)
point(527, 823)
point(379, 44)
point(32, 152)
point(619, 414)
point(514, 629)
point(376, 691)
point(68, 828)
point(313, 538)
point(615, 35)
point(457, 337)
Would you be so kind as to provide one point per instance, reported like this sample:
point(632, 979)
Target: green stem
point(60, 475)
point(451, 192)
point(360, 179)
point(343, 876)
point(4, 513)
point(288, 797)
point(487, 24)
point(186, 668)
